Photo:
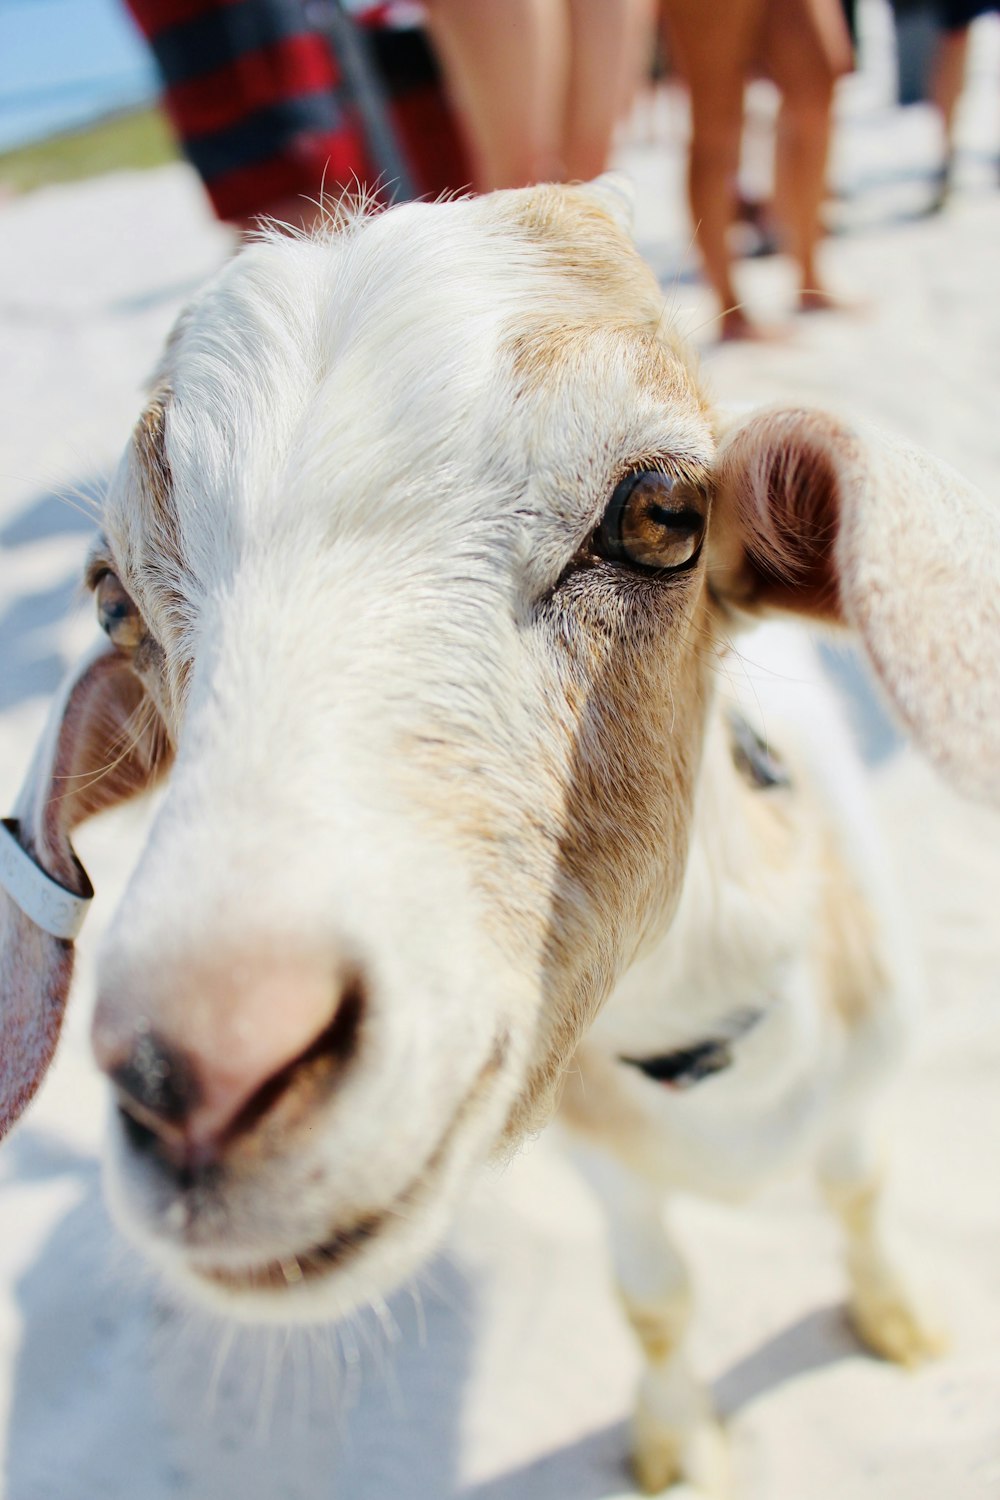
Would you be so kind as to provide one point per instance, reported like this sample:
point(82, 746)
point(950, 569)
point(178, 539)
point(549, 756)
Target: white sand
point(508, 1375)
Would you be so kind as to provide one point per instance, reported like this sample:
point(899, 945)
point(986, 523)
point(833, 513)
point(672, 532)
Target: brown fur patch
point(155, 479)
point(597, 836)
point(159, 559)
point(633, 753)
point(545, 352)
point(583, 240)
point(614, 289)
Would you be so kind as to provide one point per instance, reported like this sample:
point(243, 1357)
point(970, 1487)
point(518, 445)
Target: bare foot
point(818, 299)
point(941, 187)
point(734, 324)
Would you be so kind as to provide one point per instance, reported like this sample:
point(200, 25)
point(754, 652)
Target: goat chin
point(290, 1290)
point(278, 1280)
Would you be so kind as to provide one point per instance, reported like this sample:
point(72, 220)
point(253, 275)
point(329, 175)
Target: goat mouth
point(302, 1267)
point(285, 1273)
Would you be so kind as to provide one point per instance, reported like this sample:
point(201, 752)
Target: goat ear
point(103, 742)
point(840, 523)
point(614, 192)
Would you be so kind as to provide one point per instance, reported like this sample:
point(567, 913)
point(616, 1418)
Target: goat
point(414, 581)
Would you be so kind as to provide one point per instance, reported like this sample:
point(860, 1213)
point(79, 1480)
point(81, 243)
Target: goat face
point(355, 557)
point(404, 583)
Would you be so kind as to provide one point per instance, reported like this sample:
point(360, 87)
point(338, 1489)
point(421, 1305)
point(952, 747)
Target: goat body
point(417, 579)
point(788, 962)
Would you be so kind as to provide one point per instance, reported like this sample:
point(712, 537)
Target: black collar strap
point(689, 1065)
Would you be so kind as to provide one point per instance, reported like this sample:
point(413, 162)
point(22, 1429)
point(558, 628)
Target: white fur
point(421, 748)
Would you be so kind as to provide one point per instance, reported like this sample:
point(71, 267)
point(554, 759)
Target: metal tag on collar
point(48, 904)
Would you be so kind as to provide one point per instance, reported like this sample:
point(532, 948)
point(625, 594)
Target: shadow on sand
point(62, 512)
point(33, 664)
point(120, 1394)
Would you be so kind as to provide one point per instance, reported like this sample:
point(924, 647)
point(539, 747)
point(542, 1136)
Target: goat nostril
point(324, 1058)
point(140, 1137)
point(158, 1080)
point(177, 1107)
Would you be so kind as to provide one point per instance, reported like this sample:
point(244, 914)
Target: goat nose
point(195, 1097)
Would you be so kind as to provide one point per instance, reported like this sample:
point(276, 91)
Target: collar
point(53, 908)
point(689, 1065)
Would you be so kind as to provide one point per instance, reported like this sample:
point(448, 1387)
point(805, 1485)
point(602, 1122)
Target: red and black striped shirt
point(257, 98)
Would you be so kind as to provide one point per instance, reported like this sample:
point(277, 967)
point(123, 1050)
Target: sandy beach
point(506, 1372)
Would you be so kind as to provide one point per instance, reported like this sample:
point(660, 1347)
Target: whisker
point(420, 1312)
point(133, 731)
point(227, 1337)
point(722, 313)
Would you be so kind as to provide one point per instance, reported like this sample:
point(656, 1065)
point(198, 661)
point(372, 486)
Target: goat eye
point(654, 522)
point(117, 614)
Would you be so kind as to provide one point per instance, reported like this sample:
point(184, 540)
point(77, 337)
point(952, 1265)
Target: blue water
point(64, 63)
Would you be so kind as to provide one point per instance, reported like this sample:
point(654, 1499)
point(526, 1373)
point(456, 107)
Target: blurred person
point(257, 97)
point(803, 47)
point(540, 84)
point(954, 18)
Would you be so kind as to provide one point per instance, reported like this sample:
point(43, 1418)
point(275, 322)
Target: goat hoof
point(892, 1325)
point(656, 1463)
point(663, 1456)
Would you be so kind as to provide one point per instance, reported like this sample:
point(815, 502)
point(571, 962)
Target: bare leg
point(639, 48)
point(949, 77)
point(803, 147)
point(608, 37)
point(883, 1309)
point(947, 81)
point(506, 66)
point(713, 46)
point(805, 48)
